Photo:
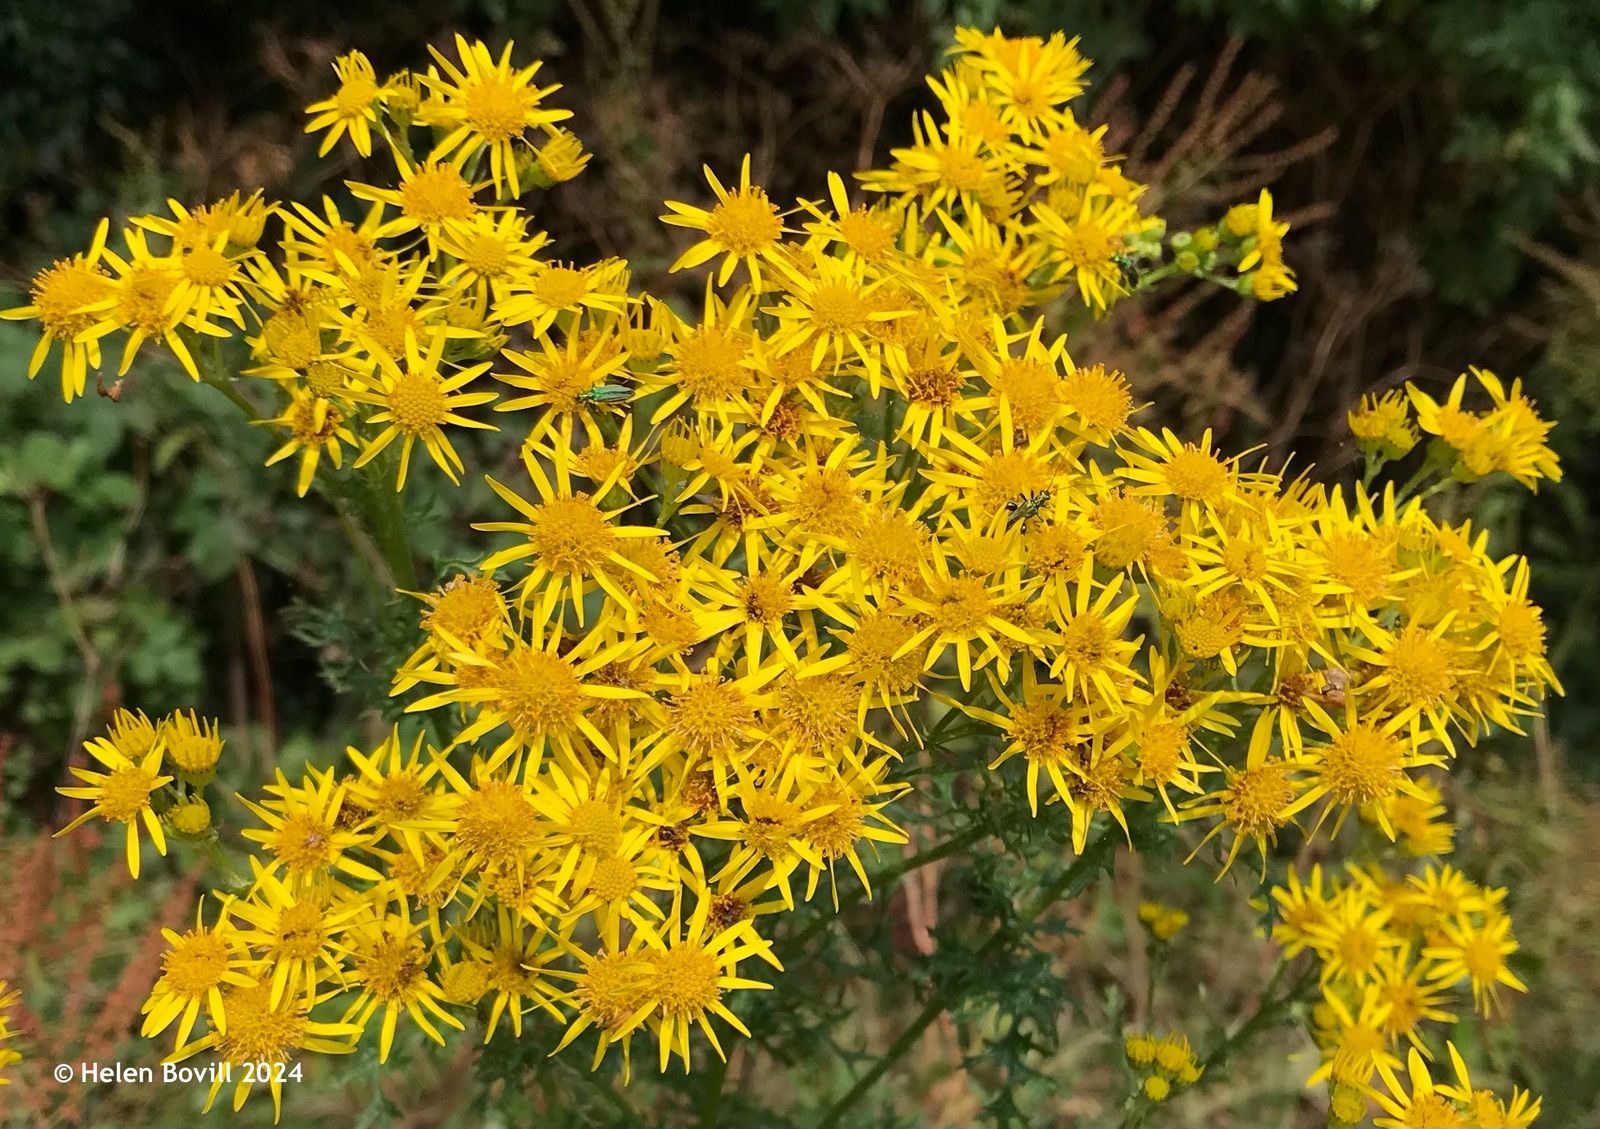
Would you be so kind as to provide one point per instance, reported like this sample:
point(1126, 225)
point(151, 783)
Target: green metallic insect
point(1021, 509)
point(605, 394)
point(1130, 267)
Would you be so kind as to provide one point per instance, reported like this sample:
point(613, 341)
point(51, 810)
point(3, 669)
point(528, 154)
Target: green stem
point(940, 1001)
point(1271, 1012)
point(214, 373)
point(711, 1095)
point(1442, 484)
point(1372, 464)
point(386, 516)
point(380, 509)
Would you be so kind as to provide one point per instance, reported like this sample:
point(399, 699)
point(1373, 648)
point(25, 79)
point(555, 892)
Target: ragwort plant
point(860, 502)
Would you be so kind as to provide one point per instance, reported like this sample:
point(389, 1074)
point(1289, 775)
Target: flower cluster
point(1508, 438)
point(765, 547)
point(1163, 1065)
point(1390, 950)
point(135, 791)
point(1164, 922)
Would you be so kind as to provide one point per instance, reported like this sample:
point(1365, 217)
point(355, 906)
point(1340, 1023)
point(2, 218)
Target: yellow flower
point(144, 299)
point(430, 195)
point(687, 969)
point(314, 426)
point(8, 1055)
point(417, 400)
point(265, 1029)
point(391, 967)
point(1164, 922)
point(574, 545)
point(492, 252)
point(1085, 246)
point(1476, 952)
point(122, 795)
point(552, 291)
point(1028, 79)
point(352, 109)
point(1270, 279)
point(943, 167)
point(194, 971)
point(304, 832)
point(1382, 426)
point(744, 226)
point(1420, 1103)
point(485, 104)
point(61, 299)
point(561, 158)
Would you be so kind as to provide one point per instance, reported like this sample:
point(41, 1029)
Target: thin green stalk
point(386, 516)
point(940, 1001)
point(1272, 1011)
point(711, 1095)
point(380, 509)
point(213, 372)
point(1372, 464)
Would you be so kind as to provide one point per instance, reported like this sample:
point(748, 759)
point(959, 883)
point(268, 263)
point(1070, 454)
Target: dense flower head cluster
point(1392, 949)
point(761, 542)
point(1163, 1065)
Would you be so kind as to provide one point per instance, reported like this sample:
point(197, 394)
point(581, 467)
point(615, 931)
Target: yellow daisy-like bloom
point(561, 379)
point(238, 220)
point(304, 832)
point(391, 969)
point(685, 977)
point(868, 234)
point(122, 795)
point(1190, 472)
point(959, 610)
point(315, 426)
point(491, 252)
point(1509, 438)
point(61, 298)
point(8, 1055)
point(1382, 425)
point(1420, 1103)
point(743, 226)
point(485, 103)
point(352, 109)
point(573, 543)
point(1360, 1044)
point(553, 290)
point(264, 1028)
point(1255, 802)
point(1085, 246)
point(562, 157)
point(194, 972)
point(417, 400)
point(1271, 278)
point(1299, 907)
point(143, 300)
point(298, 934)
point(830, 309)
point(944, 166)
point(429, 196)
point(192, 745)
point(1476, 952)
